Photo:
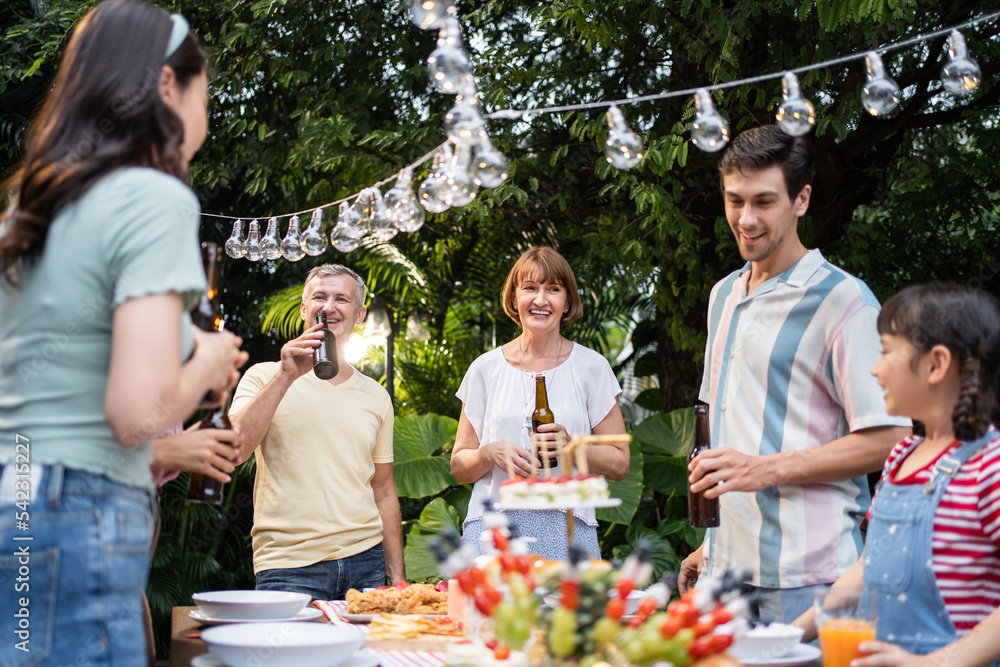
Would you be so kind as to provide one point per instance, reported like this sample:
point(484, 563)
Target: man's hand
point(690, 569)
point(297, 354)
point(209, 451)
point(522, 462)
point(721, 469)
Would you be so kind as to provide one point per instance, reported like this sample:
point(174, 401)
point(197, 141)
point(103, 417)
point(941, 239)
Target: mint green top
point(133, 234)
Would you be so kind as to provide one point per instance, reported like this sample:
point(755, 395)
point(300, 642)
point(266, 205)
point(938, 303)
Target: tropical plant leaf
point(666, 441)
point(438, 516)
point(663, 557)
point(629, 490)
point(418, 472)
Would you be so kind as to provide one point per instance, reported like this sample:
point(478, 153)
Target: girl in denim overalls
point(940, 348)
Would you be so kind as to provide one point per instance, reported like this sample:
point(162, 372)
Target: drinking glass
point(845, 616)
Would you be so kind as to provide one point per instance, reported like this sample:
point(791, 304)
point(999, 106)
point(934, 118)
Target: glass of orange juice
point(845, 617)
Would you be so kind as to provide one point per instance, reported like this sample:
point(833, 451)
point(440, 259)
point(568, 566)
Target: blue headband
point(178, 32)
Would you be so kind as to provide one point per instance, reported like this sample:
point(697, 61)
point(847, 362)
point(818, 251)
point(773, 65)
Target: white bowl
point(766, 641)
point(250, 605)
point(283, 644)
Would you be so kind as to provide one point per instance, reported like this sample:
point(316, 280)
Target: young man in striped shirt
point(796, 419)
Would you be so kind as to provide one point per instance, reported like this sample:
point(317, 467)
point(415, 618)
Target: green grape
point(562, 634)
point(650, 642)
point(504, 612)
point(676, 654)
point(605, 630)
point(564, 620)
point(562, 645)
point(684, 637)
point(519, 631)
point(634, 651)
point(519, 589)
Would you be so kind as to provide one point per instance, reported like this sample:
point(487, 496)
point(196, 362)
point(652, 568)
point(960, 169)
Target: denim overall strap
point(898, 553)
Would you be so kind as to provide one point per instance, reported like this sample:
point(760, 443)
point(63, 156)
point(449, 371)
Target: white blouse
point(499, 400)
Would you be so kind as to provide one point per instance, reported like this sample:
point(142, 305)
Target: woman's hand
point(221, 354)
point(209, 451)
point(521, 461)
point(549, 439)
point(884, 654)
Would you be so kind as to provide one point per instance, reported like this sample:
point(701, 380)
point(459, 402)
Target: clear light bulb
point(463, 123)
point(428, 14)
point(313, 241)
point(381, 223)
point(710, 131)
point(404, 207)
point(251, 247)
point(291, 245)
point(796, 115)
point(270, 245)
point(489, 166)
point(449, 65)
point(623, 147)
point(349, 222)
point(461, 188)
point(234, 245)
point(880, 94)
point(433, 191)
point(960, 74)
point(342, 241)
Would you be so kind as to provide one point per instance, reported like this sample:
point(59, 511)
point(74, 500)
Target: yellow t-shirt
point(313, 498)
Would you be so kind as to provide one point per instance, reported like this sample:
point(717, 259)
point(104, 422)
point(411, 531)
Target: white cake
point(556, 490)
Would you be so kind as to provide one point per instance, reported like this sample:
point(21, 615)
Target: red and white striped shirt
point(966, 542)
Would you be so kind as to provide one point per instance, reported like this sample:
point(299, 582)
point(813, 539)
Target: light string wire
point(516, 114)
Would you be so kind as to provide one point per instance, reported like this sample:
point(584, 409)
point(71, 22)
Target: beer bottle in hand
point(702, 512)
point(206, 315)
point(542, 414)
point(325, 363)
point(202, 488)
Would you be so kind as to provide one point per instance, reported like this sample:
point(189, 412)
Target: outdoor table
point(404, 653)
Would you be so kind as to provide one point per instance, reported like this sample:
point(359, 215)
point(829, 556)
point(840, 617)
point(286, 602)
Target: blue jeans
point(328, 579)
point(72, 593)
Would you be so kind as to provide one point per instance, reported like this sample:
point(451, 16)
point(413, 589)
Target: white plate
point(367, 618)
point(307, 614)
point(603, 502)
point(801, 654)
point(250, 604)
point(366, 658)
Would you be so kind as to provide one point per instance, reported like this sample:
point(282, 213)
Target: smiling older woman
point(498, 397)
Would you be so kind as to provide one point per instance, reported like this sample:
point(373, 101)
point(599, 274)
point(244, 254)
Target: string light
point(960, 74)
point(291, 245)
point(710, 131)
point(270, 246)
point(483, 165)
point(880, 94)
point(381, 224)
point(251, 247)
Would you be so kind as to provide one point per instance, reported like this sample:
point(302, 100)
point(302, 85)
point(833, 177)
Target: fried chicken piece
point(372, 602)
point(422, 599)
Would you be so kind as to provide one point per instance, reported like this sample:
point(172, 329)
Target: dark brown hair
point(104, 112)
point(765, 146)
point(546, 266)
point(967, 322)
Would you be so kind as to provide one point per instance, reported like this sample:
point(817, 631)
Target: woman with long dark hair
point(99, 262)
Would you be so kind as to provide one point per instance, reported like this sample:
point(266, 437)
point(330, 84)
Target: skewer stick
point(546, 470)
point(581, 457)
point(508, 457)
point(560, 456)
point(534, 455)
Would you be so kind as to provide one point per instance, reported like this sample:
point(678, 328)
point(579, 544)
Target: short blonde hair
point(546, 266)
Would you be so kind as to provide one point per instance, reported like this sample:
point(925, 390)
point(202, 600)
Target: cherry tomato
point(719, 643)
point(402, 584)
point(699, 648)
point(484, 604)
point(625, 586)
point(615, 609)
point(687, 612)
point(492, 594)
point(703, 627)
point(477, 575)
point(501, 652)
point(441, 586)
point(523, 564)
point(721, 615)
point(466, 583)
point(492, 644)
point(500, 541)
point(647, 607)
point(670, 627)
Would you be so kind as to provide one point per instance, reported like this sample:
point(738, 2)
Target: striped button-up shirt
point(787, 369)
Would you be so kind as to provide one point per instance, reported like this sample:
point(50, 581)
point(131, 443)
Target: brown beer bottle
point(202, 488)
point(702, 512)
point(325, 363)
point(206, 315)
point(542, 414)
